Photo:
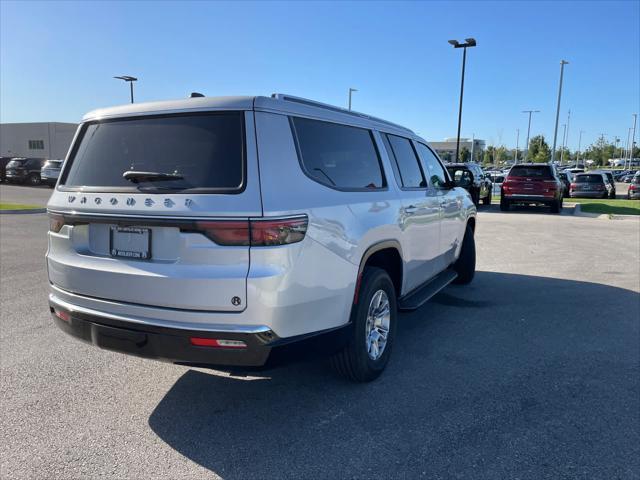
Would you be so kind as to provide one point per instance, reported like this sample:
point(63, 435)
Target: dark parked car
point(3, 168)
point(51, 171)
point(471, 177)
point(634, 189)
point(609, 177)
point(566, 178)
point(532, 184)
point(590, 185)
point(24, 170)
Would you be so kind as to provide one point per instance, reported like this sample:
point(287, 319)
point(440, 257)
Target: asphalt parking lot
point(532, 371)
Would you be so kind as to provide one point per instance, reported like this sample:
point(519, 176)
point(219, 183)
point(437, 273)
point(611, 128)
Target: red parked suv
point(532, 183)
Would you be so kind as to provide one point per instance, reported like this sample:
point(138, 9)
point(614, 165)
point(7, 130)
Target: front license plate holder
point(130, 242)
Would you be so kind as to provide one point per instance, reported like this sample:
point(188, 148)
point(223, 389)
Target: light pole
point(469, 42)
point(564, 137)
point(633, 139)
point(555, 130)
point(517, 142)
point(579, 142)
point(526, 147)
point(566, 142)
point(626, 148)
point(351, 90)
point(129, 79)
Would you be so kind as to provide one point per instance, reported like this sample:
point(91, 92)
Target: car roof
point(276, 103)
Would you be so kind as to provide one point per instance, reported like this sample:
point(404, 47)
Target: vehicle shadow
point(513, 375)
point(520, 209)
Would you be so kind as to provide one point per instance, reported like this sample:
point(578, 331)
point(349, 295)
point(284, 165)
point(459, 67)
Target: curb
point(23, 212)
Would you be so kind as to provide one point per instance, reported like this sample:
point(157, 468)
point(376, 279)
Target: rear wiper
point(137, 176)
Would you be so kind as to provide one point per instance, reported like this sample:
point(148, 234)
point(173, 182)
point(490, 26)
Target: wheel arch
point(387, 255)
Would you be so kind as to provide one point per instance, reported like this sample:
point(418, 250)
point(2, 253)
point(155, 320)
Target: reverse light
point(216, 343)
point(56, 222)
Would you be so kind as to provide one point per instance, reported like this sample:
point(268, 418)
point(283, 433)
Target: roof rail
point(326, 106)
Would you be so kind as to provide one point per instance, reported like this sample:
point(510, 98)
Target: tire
point(504, 205)
point(33, 180)
point(357, 361)
point(465, 266)
point(555, 206)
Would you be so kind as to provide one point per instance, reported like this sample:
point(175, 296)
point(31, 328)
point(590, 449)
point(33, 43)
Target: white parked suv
point(218, 231)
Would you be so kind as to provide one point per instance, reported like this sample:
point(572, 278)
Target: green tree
point(465, 154)
point(539, 150)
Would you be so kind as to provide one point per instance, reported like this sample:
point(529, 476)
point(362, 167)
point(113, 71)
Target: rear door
point(175, 234)
point(420, 212)
point(450, 201)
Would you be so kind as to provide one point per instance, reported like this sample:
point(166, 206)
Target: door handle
point(411, 209)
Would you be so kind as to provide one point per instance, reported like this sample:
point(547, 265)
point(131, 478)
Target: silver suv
point(218, 231)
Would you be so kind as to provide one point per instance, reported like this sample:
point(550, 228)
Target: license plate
point(130, 242)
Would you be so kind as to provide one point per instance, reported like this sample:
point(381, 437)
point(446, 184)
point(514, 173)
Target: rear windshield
point(53, 163)
point(192, 151)
point(542, 171)
point(17, 162)
point(589, 179)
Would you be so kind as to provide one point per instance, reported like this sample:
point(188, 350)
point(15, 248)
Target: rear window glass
point(589, 179)
point(197, 151)
point(406, 161)
point(531, 171)
point(337, 155)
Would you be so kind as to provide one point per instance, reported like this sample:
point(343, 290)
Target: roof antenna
point(195, 95)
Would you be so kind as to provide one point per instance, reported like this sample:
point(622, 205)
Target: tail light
point(600, 187)
point(56, 222)
point(632, 187)
point(255, 233)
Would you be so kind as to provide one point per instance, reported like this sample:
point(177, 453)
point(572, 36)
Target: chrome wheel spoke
point(378, 324)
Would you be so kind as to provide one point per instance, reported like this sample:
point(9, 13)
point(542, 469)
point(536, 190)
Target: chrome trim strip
point(222, 328)
point(166, 217)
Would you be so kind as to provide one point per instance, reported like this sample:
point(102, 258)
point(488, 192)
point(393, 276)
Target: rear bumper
point(593, 194)
point(528, 198)
point(174, 345)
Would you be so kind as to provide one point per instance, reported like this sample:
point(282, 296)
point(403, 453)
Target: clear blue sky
point(58, 59)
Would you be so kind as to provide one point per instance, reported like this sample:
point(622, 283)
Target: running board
point(422, 294)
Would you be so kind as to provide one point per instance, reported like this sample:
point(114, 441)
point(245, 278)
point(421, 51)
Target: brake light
point(225, 232)
point(278, 232)
point(216, 343)
point(255, 233)
point(56, 222)
point(573, 185)
point(632, 187)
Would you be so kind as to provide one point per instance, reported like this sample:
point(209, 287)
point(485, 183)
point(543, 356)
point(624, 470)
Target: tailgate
point(173, 243)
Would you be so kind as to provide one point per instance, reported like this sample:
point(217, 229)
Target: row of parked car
point(540, 184)
point(29, 171)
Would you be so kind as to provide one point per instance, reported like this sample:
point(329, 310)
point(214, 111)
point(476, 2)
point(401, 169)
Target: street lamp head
point(471, 42)
point(127, 78)
point(455, 43)
point(563, 62)
point(353, 89)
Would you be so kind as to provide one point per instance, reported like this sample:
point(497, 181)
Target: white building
point(38, 140)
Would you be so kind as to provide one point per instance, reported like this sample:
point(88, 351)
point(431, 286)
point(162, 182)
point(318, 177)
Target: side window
point(337, 155)
point(435, 170)
point(401, 151)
